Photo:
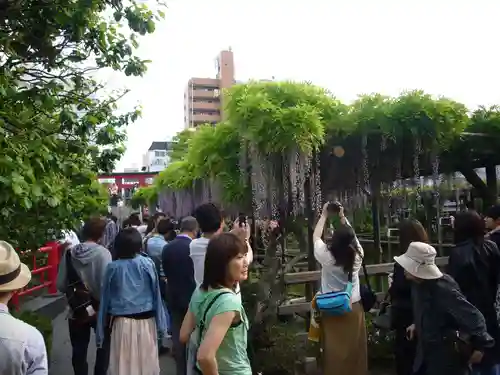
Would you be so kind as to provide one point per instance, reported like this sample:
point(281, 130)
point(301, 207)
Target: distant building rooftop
point(161, 146)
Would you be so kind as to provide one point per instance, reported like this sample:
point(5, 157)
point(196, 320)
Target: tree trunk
point(375, 198)
point(481, 188)
point(491, 183)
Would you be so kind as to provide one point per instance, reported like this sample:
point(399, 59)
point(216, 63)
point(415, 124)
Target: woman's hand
point(476, 357)
point(243, 231)
point(410, 332)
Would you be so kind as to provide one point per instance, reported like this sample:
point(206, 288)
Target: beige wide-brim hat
point(14, 275)
point(420, 261)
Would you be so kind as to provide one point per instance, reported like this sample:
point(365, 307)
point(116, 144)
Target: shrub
point(380, 344)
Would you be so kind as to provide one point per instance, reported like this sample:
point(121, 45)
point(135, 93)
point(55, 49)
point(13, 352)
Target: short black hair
point(153, 220)
point(220, 251)
point(134, 219)
point(164, 226)
point(93, 229)
point(468, 225)
point(493, 212)
point(209, 217)
point(128, 243)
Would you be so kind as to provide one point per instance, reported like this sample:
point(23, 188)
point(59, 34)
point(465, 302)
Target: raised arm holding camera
point(342, 316)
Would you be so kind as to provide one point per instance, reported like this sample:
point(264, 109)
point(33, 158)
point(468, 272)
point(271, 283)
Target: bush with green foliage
point(59, 125)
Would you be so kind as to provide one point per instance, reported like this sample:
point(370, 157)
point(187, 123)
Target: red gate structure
point(47, 273)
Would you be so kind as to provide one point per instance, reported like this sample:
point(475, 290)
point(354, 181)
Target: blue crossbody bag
point(336, 303)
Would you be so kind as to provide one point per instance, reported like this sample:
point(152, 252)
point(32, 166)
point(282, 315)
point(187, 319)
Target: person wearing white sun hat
point(419, 261)
point(451, 332)
point(22, 347)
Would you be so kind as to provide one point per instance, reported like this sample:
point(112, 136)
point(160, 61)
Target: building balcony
point(204, 94)
point(205, 118)
point(201, 106)
point(204, 82)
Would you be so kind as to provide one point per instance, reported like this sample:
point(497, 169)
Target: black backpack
point(79, 298)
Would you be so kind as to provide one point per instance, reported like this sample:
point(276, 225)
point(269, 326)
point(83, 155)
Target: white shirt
point(22, 348)
point(333, 277)
point(197, 251)
point(70, 237)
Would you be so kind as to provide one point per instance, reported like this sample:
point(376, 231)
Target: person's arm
point(160, 314)
point(164, 261)
point(188, 326)
point(468, 318)
point(100, 271)
point(36, 356)
point(321, 253)
point(212, 340)
point(320, 225)
point(249, 253)
point(102, 314)
point(243, 231)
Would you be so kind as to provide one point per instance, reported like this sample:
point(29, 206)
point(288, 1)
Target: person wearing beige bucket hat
point(419, 261)
point(23, 348)
point(451, 333)
point(14, 275)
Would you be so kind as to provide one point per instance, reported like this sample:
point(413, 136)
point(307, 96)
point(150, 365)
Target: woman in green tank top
point(216, 311)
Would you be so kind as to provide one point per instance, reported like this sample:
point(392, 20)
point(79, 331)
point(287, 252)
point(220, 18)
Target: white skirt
point(134, 347)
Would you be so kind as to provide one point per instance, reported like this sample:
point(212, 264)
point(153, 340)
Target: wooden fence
point(376, 272)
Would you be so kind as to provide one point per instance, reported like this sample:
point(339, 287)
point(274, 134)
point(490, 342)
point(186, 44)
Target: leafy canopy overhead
point(58, 124)
point(281, 117)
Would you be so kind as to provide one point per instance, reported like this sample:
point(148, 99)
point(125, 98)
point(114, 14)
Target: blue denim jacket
point(155, 247)
point(130, 286)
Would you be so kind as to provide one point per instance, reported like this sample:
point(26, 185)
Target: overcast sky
point(445, 47)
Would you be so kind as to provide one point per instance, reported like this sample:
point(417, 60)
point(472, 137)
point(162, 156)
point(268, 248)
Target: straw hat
point(14, 275)
point(419, 261)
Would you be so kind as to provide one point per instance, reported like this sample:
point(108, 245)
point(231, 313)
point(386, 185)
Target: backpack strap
point(73, 277)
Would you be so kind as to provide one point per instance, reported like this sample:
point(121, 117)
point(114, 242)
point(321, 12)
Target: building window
point(160, 154)
point(206, 112)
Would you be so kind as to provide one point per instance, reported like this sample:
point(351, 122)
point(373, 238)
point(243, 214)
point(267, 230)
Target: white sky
point(445, 47)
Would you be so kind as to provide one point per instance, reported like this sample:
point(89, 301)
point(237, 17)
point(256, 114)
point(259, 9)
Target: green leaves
point(281, 117)
point(58, 127)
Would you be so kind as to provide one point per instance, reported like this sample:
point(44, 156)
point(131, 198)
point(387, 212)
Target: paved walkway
point(61, 351)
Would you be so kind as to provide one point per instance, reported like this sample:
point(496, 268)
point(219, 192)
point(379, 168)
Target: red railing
point(47, 274)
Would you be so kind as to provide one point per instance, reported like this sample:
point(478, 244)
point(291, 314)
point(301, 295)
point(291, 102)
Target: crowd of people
point(140, 283)
point(443, 323)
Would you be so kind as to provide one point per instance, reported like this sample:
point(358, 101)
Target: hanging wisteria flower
point(273, 224)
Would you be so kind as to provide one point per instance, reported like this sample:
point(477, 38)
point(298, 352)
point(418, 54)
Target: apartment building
point(203, 102)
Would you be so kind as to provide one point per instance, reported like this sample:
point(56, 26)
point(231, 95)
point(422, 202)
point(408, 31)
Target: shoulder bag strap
point(365, 271)
point(204, 317)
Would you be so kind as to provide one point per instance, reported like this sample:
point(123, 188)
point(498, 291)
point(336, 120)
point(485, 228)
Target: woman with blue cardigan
point(131, 305)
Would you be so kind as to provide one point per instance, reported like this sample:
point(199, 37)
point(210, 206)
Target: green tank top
point(232, 358)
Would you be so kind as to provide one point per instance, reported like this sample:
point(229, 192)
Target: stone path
point(60, 360)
